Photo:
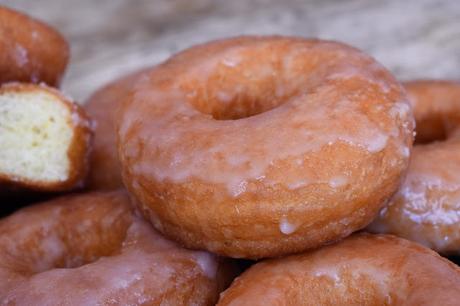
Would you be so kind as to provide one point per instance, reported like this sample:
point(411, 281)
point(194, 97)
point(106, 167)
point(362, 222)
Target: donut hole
point(436, 109)
point(78, 257)
point(431, 130)
point(240, 106)
point(235, 86)
point(225, 101)
point(436, 128)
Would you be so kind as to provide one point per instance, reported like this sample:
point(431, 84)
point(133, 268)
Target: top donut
point(263, 146)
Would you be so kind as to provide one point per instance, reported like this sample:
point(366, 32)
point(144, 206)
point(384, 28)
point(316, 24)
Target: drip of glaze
point(287, 227)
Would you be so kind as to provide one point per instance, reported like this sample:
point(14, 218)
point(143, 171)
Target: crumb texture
point(35, 134)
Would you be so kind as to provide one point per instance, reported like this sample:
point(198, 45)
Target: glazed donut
point(105, 170)
point(30, 51)
point(426, 208)
point(45, 139)
point(256, 147)
point(91, 249)
point(363, 269)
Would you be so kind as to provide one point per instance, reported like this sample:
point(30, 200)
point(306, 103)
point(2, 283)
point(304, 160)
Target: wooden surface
point(414, 39)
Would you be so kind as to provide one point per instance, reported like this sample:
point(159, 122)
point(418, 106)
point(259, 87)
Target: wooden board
point(414, 39)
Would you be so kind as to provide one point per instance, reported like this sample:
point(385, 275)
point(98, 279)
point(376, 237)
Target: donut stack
point(269, 154)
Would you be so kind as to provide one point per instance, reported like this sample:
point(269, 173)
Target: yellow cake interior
point(35, 134)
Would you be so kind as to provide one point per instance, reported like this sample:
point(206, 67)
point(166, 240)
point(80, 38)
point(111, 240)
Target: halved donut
point(45, 139)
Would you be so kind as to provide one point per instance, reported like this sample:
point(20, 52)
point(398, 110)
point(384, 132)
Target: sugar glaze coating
point(363, 269)
point(92, 249)
point(227, 140)
point(30, 51)
point(426, 208)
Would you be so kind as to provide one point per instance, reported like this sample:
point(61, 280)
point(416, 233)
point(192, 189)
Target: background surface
point(414, 39)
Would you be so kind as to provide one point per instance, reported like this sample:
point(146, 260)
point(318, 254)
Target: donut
point(30, 51)
point(363, 269)
point(45, 139)
point(426, 208)
point(91, 249)
point(262, 146)
point(105, 170)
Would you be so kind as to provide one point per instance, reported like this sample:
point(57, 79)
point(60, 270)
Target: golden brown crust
point(30, 51)
point(92, 248)
point(363, 269)
point(426, 207)
point(105, 171)
point(78, 151)
point(249, 148)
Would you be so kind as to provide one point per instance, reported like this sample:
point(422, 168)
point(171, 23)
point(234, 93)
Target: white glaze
point(427, 206)
point(400, 110)
point(330, 272)
point(207, 262)
point(21, 55)
point(53, 249)
point(357, 268)
point(405, 151)
point(287, 227)
point(338, 181)
point(298, 184)
point(231, 61)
